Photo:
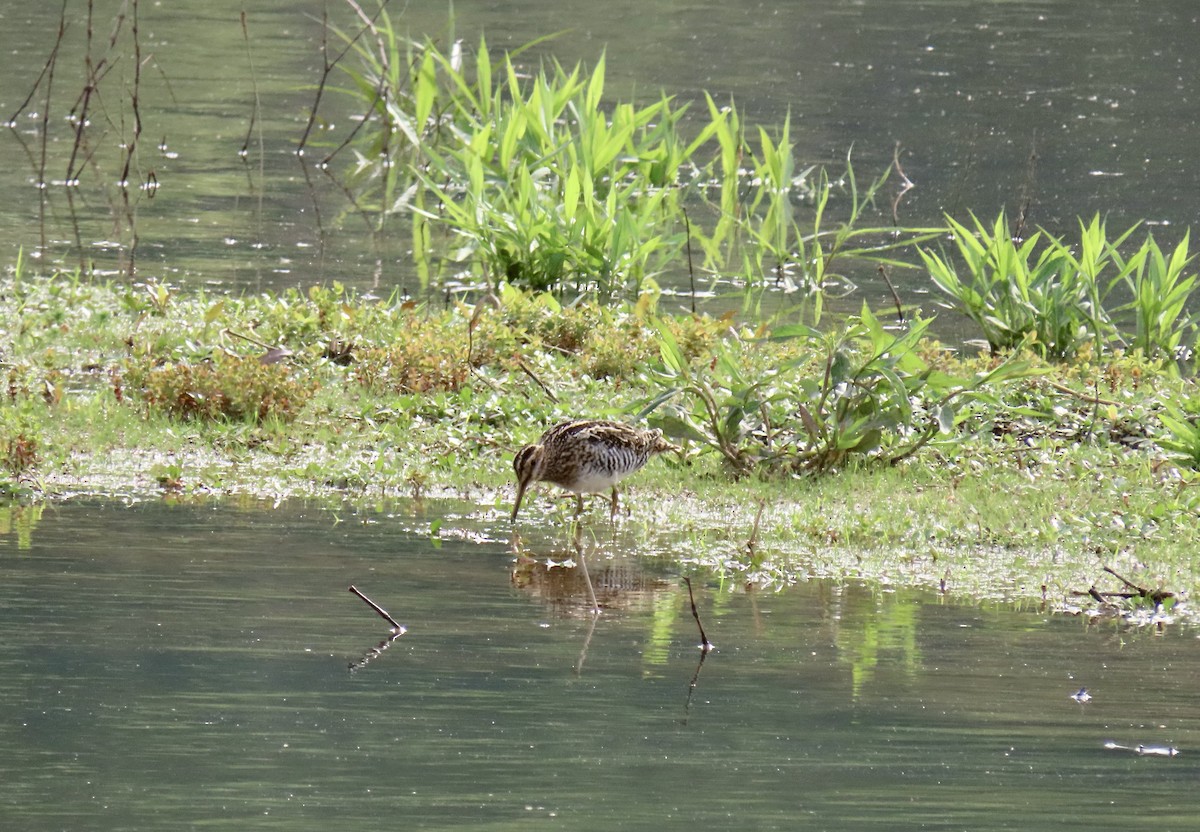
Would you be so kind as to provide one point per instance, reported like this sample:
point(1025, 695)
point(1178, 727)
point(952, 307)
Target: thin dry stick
point(687, 705)
point(705, 644)
point(380, 93)
point(47, 68)
point(91, 85)
point(895, 295)
point(1027, 189)
point(326, 68)
point(529, 372)
point(1083, 397)
point(400, 628)
point(1156, 595)
point(687, 225)
point(46, 120)
point(254, 112)
point(328, 65)
point(254, 341)
point(752, 543)
point(132, 150)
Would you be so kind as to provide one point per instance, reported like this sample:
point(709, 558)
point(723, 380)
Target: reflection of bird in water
point(596, 581)
point(586, 457)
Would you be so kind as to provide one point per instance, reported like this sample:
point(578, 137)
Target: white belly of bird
point(593, 482)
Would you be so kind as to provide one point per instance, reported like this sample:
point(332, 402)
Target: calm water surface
point(1070, 107)
point(180, 667)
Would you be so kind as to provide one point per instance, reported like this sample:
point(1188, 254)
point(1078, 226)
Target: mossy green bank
point(984, 477)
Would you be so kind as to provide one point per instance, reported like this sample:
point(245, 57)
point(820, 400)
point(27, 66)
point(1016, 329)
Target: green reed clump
point(1181, 421)
point(531, 177)
point(226, 388)
point(1059, 300)
point(1160, 296)
point(811, 257)
point(551, 191)
point(1017, 298)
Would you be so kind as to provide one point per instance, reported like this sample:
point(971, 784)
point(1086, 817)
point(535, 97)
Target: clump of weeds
point(428, 355)
point(228, 388)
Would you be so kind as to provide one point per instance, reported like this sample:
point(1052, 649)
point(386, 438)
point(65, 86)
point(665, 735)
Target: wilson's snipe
point(586, 456)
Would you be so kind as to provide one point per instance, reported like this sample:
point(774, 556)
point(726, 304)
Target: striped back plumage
point(586, 456)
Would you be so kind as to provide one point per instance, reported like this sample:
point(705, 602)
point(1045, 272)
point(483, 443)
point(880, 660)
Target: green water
point(188, 667)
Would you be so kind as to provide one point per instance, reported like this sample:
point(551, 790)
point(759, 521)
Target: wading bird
point(587, 456)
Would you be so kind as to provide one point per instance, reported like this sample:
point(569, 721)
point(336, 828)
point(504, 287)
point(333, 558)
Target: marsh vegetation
point(562, 241)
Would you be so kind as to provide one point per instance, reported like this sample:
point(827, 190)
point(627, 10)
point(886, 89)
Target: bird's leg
point(613, 513)
point(578, 505)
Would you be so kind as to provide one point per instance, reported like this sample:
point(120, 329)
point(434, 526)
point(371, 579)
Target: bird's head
point(527, 465)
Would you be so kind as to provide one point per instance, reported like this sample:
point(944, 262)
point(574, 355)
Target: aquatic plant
point(1018, 295)
point(533, 178)
point(1182, 439)
point(1160, 300)
point(1054, 299)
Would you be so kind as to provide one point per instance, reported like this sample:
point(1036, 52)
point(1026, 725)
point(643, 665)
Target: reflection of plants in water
point(20, 520)
point(108, 100)
point(890, 629)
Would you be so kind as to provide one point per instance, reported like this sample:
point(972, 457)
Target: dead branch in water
point(705, 644)
point(1155, 595)
point(398, 627)
point(328, 65)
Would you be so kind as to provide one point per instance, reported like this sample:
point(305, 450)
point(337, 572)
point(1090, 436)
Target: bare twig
point(687, 225)
point(326, 68)
point(254, 112)
point(1155, 595)
point(400, 629)
point(895, 295)
point(1027, 188)
point(1084, 397)
point(46, 113)
point(705, 644)
point(752, 543)
point(529, 372)
point(248, 338)
point(687, 706)
point(47, 68)
point(328, 64)
point(132, 149)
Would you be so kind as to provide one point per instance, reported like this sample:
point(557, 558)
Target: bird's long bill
point(521, 486)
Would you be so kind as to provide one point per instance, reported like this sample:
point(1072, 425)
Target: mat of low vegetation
point(1057, 468)
point(861, 451)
